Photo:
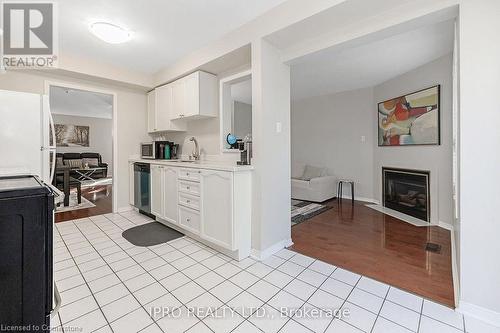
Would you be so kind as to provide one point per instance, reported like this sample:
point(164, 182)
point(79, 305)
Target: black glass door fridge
point(26, 232)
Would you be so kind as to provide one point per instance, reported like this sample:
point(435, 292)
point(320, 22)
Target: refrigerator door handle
point(53, 164)
point(57, 298)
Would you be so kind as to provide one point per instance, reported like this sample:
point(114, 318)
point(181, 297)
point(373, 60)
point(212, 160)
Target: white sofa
point(320, 188)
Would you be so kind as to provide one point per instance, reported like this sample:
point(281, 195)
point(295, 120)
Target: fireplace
point(407, 191)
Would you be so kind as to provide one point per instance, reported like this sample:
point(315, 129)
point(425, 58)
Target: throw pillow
point(90, 161)
point(311, 172)
point(74, 163)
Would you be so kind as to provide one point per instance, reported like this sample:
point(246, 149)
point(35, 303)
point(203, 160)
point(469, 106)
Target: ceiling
point(242, 91)
point(80, 103)
point(163, 30)
point(341, 69)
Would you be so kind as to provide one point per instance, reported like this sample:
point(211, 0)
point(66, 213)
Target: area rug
point(304, 210)
point(150, 234)
point(73, 203)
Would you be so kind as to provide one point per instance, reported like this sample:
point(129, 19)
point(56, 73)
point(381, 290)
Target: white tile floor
point(110, 285)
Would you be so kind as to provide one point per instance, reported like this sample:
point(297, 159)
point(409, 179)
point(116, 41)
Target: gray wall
point(437, 159)
point(100, 140)
point(242, 119)
point(327, 131)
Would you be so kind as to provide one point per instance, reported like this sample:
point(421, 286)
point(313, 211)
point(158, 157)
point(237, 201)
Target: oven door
point(147, 150)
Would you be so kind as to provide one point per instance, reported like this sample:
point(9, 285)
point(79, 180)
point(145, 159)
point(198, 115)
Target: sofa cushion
point(311, 172)
point(74, 163)
point(90, 161)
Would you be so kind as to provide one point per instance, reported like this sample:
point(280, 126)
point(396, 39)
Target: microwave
point(148, 150)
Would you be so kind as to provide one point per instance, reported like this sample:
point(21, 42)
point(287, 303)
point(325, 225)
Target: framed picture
point(72, 135)
point(411, 119)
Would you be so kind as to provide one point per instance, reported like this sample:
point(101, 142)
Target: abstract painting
point(72, 135)
point(411, 119)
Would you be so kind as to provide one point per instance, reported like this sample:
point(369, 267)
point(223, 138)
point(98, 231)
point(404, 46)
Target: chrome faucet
point(196, 151)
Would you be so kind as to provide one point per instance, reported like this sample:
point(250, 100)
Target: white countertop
point(211, 165)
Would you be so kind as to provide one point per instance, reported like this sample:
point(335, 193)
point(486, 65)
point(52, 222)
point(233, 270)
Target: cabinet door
point(152, 111)
point(131, 183)
point(157, 190)
point(170, 194)
point(178, 99)
point(163, 107)
point(192, 95)
point(217, 207)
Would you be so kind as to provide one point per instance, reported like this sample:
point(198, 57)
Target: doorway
point(84, 122)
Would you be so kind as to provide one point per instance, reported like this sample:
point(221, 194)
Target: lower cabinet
point(217, 207)
point(214, 205)
point(157, 190)
point(164, 192)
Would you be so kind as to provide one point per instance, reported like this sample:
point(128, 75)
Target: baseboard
point(123, 209)
point(488, 316)
point(445, 225)
point(365, 199)
point(266, 253)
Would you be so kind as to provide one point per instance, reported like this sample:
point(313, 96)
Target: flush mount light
point(110, 33)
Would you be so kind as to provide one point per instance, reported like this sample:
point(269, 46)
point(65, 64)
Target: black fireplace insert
point(407, 191)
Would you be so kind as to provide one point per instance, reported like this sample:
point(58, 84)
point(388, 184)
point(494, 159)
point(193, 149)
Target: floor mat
point(303, 210)
point(150, 234)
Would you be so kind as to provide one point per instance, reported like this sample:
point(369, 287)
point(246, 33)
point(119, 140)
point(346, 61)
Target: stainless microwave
point(148, 150)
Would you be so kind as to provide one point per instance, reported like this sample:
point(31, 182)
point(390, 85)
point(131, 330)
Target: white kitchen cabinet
point(195, 96)
point(210, 205)
point(151, 111)
point(217, 207)
point(157, 190)
point(161, 111)
point(131, 181)
point(170, 199)
point(164, 192)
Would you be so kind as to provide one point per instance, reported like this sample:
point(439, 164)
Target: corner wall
point(436, 159)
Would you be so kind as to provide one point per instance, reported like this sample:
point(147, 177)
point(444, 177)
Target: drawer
point(190, 174)
point(189, 200)
point(189, 219)
point(189, 187)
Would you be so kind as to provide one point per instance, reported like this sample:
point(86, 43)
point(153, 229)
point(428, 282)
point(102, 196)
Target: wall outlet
point(363, 138)
point(278, 127)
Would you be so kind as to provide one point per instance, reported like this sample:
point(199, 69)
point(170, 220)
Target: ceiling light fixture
point(110, 33)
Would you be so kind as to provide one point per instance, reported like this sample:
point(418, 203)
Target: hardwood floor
point(379, 246)
point(101, 196)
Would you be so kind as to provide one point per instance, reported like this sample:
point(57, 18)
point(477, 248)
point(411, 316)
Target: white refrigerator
point(27, 143)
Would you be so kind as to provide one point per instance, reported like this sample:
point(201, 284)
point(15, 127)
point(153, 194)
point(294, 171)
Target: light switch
point(278, 127)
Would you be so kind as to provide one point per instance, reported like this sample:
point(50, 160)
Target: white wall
point(100, 140)
point(437, 159)
point(271, 182)
point(327, 131)
point(480, 158)
point(131, 118)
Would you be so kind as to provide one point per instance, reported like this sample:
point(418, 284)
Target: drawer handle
point(187, 173)
point(188, 220)
point(188, 188)
point(188, 201)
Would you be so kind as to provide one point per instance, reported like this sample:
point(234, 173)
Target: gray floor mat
point(150, 234)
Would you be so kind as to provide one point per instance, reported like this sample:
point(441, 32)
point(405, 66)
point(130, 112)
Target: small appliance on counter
point(159, 150)
point(245, 148)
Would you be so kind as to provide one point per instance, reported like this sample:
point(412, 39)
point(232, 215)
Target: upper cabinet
point(195, 96)
point(189, 98)
point(160, 111)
